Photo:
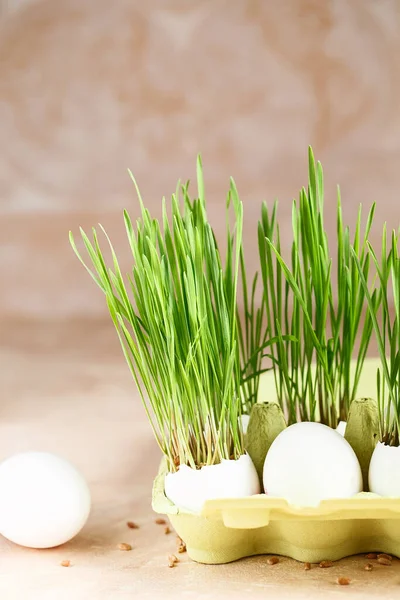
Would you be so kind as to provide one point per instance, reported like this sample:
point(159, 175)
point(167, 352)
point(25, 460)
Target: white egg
point(189, 488)
point(310, 462)
point(384, 470)
point(44, 500)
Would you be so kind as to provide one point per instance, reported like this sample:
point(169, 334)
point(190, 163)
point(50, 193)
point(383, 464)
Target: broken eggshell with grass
point(384, 471)
point(310, 462)
point(189, 488)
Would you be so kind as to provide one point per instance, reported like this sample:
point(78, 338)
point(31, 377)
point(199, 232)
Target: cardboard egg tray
point(227, 530)
point(230, 529)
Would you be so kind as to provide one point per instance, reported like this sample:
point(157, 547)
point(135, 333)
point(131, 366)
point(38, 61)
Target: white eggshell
point(189, 488)
point(310, 462)
point(44, 500)
point(341, 428)
point(245, 422)
point(384, 470)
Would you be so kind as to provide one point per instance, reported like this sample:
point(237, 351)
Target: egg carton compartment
point(230, 529)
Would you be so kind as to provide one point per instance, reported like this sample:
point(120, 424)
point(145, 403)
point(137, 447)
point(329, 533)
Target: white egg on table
point(310, 462)
point(44, 500)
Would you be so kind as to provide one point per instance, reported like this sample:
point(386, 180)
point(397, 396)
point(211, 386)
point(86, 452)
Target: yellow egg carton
point(230, 529)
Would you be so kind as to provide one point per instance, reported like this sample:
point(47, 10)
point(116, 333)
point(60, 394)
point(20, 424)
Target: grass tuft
point(386, 323)
point(316, 326)
point(178, 323)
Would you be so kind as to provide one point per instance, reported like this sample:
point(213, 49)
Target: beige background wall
point(89, 88)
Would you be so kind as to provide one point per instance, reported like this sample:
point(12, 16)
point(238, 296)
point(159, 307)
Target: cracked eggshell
point(245, 422)
point(384, 470)
point(189, 488)
point(310, 462)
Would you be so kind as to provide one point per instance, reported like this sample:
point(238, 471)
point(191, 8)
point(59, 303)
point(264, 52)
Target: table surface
point(65, 389)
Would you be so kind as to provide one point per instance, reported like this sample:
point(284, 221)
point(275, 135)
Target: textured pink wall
point(89, 88)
